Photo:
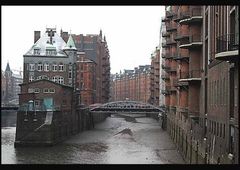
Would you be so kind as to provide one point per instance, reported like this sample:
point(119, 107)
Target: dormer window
point(36, 52)
point(50, 52)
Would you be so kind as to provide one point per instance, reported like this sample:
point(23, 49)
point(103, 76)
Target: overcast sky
point(132, 32)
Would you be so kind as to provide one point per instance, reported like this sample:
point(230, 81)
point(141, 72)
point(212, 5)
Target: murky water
point(117, 140)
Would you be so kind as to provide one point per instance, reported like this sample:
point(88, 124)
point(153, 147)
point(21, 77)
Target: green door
point(48, 103)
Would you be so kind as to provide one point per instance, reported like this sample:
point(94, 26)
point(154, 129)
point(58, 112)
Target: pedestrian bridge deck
point(134, 107)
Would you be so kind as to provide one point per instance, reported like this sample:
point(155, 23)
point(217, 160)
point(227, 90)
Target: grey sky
point(132, 32)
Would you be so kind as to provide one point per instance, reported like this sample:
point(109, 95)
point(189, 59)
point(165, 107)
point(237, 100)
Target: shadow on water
point(8, 118)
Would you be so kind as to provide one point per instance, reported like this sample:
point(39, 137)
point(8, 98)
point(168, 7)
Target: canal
point(120, 139)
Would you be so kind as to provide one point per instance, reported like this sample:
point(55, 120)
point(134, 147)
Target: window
point(50, 52)
point(31, 67)
point(36, 90)
point(61, 80)
point(70, 71)
point(220, 130)
point(36, 52)
point(39, 77)
point(51, 90)
point(46, 67)
point(60, 67)
point(55, 79)
point(37, 103)
point(40, 66)
point(31, 78)
point(45, 90)
point(54, 67)
point(231, 140)
point(214, 128)
point(45, 77)
point(30, 90)
point(223, 130)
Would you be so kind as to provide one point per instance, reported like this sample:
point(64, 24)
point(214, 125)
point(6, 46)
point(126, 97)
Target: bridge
point(9, 108)
point(126, 107)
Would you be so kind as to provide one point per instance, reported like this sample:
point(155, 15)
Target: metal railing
point(228, 42)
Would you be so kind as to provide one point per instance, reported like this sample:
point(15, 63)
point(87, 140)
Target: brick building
point(202, 43)
point(96, 50)
point(155, 77)
point(10, 88)
point(132, 85)
point(50, 58)
point(86, 79)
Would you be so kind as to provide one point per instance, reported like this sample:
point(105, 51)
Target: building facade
point(155, 77)
point(202, 43)
point(10, 86)
point(96, 50)
point(132, 85)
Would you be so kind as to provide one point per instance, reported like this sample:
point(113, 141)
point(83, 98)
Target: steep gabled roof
point(70, 43)
point(44, 42)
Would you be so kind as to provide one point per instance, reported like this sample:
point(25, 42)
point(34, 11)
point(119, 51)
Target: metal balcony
point(165, 34)
point(194, 15)
point(170, 41)
point(171, 27)
point(164, 19)
point(165, 76)
point(180, 36)
point(193, 41)
point(227, 47)
point(192, 75)
point(164, 67)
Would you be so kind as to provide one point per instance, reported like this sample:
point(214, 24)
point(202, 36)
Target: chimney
point(37, 35)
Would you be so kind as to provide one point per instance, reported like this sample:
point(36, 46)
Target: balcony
point(165, 34)
point(194, 41)
point(194, 15)
point(170, 41)
point(166, 91)
point(178, 83)
point(169, 14)
point(180, 36)
point(181, 57)
point(171, 70)
point(164, 19)
point(165, 77)
point(192, 75)
point(227, 47)
point(164, 45)
point(181, 15)
point(164, 67)
point(171, 27)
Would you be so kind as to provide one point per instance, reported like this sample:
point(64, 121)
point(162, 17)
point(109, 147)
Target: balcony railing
point(166, 91)
point(194, 14)
point(164, 19)
point(165, 67)
point(190, 74)
point(172, 26)
point(165, 76)
point(193, 40)
point(228, 42)
point(165, 34)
